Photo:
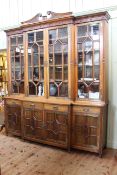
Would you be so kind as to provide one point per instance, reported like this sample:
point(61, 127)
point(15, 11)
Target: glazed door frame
point(101, 59)
point(70, 35)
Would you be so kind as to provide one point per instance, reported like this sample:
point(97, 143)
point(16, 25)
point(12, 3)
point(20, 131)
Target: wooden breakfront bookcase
point(57, 69)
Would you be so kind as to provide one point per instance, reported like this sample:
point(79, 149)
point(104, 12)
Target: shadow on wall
point(112, 129)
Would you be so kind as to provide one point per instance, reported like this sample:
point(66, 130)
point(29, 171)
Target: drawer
point(33, 105)
point(83, 109)
point(12, 102)
point(52, 107)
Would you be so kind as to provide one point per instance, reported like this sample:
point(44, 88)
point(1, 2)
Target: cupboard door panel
point(33, 124)
point(85, 130)
point(13, 115)
point(56, 125)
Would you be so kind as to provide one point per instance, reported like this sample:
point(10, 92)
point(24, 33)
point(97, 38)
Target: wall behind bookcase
point(14, 11)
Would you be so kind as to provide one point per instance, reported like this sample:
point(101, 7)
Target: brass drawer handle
point(86, 109)
point(55, 107)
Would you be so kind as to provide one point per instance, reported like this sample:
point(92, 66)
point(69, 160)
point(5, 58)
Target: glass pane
point(94, 91)
point(30, 73)
point(12, 62)
point(51, 73)
point(36, 73)
point(65, 58)
point(80, 72)
point(58, 73)
point(88, 58)
point(96, 58)
point(52, 36)
point(62, 32)
point(96, 46)
point(50, 58)
point(39, 35)
point(88, 72)
point(82, 31)
point(80, 58)
point(88, 45)
point(14, 87)
point(96, 72)
point(35, 49)
point(17, 61)
point(41, 60)
point(22, 73)
point(58, 47)
point(65, 73)
point(21, 87)
point(12, 52)
point(13, 41)
point(53, 89)
point(29, 60)
point(20, 40)
point(12, 74)
point(32, 89)
point(31, 37)
point(40, 89)
point(17, 74)
point(64, 90)
point(94, 31)
point(58, 58)
point(41, 73)
point(35, 59)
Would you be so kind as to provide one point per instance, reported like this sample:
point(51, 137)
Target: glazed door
point(13, 119)
point(89, 53)
point(35, 53)
point(59, 61)
point(16, 64)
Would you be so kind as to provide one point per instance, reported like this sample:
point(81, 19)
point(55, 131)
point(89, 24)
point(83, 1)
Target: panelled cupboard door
point(56, 126)
point(33, 124)
point(85, 130)
point(13, 118)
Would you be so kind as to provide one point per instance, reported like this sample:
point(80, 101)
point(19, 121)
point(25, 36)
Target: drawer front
point(56, 107)
point(83, 109)
point(12, 102)
point(33, 105)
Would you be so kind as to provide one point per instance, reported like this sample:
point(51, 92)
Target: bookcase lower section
point(62, 125)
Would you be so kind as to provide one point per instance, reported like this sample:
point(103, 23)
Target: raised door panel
point(13, 118)
point(33, 124)
point(56, 126)
point(85, 131)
